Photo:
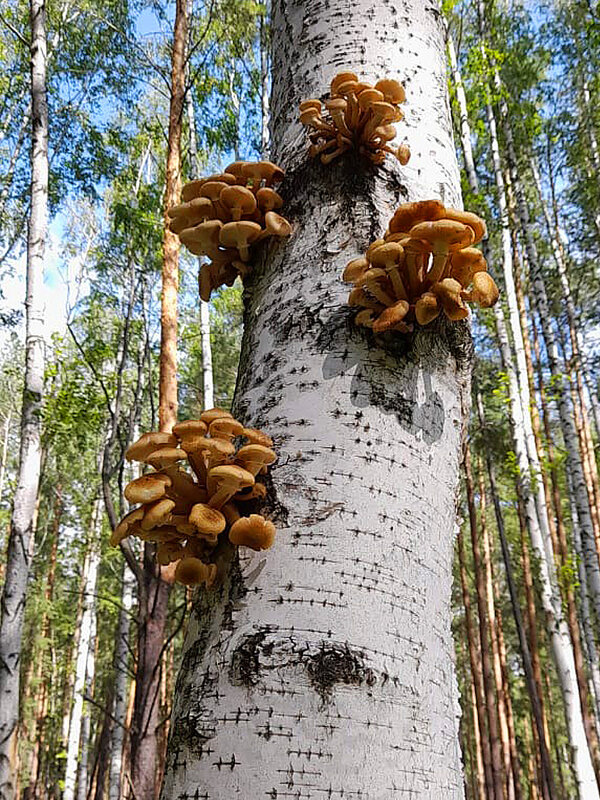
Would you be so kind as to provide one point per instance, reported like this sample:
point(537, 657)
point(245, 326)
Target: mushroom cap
point(167, 552)
point(485, 292)
point(190, 427)
point(254, 531)
point(276, 225)
point(209, 522)
point(391, 316)
point(165, 457)
point(336, 104)
point(255, 455)
point(262, 170)
point(213, 189)
point(192, 189)
point(309, 116)
point(368, 96)
point(239, 234)
point(203, 238)
point(384, 112)
point(354, 269)
point(392, 90)
point(156, 513)
point(148, 443)
point(268, 199)
point(147, 488)
point(306, 104)
point(470, 219)
point(233, 197)
point(427, 308)
point(410, 214)
point(257, 437)
point(130, 520)
point(444, 234)
point(465, 263)
point(358, 297)
point(231, 475)
point(340, 78)
point(403, 154)
point(191, 571)
point(225, 428)
point(448, 293)
point(211, 414)
point(372, 247)
point(387, 255)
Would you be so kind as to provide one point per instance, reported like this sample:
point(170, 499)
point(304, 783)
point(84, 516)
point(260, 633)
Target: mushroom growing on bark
point(422, 267)
point(359, 117)
point(188, 512)
point(224, 215)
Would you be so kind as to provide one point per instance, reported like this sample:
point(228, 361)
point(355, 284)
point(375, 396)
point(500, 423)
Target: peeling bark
point(324, 668)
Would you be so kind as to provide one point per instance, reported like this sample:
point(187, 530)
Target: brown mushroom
point(389, 257)
point(392, 317)
point(208, 521)
point(191, 427)
point(254, 532)
point(449, 295)
point(238, 201)
point(355, 269)
point(148, 443)
point(240, 235)
point(253, 457)
point(225, 428)
point(192, 571)
point(225, 481)
point(147, 488)
point(126, 526)
point(257, 437)
point(156, 513)
point(484, 292)
point(410, 214)
point(445, 236)
point(427, 308)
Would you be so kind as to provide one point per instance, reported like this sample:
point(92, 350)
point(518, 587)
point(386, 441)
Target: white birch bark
point(82, 771)
point(122, 671)
point(90, 573)
point(324, 668)
point(7, 422)
point(265, 24)
point(208, 397)
point(12, 603)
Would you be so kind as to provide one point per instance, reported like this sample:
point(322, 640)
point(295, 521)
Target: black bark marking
point(334, 663)
point(244, 668)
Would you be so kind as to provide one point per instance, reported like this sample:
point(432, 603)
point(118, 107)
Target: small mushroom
point(225, 428)
point(427, 308)
point(238, 201)
point(156, 513)
point(445, 236)
point(253, 457)
point(449, 294)
point(208, 521)
point(392, 317)
point(484, 292)
point(254, 532)
point(127, 526)
point(192, 571)
point(147, 488)
point(148, 443)
point(240, 235)
point(225, 481)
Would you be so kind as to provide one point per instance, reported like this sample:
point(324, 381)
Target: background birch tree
point(344, 626)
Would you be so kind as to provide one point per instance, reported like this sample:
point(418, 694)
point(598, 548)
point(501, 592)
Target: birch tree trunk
point(12, 602)
point(208, 395)
point(324, 668)
point(121, 666)
point(85, 643)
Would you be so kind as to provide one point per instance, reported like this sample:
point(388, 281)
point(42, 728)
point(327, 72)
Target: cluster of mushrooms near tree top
point(359, 117)
point(184, 512)
point(223, 215)
point(423, 265)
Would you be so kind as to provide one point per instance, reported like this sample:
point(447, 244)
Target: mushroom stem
point(396, 279)
point(436, 272)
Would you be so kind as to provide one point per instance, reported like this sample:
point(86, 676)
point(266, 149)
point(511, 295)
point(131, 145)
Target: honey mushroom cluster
point(185, 512)
point(359, 116)
point(424, 265)
point(223, 215)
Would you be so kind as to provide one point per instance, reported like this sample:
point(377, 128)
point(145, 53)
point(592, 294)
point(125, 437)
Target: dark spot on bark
point(333, 664)
point(244, 668)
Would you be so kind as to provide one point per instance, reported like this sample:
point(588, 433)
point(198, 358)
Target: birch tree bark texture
point(324, 667)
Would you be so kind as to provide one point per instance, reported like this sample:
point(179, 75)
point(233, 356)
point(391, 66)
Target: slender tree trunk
point(5, 438)
point(265, 24)
point(121, 669)
point(153, 595)
point(90, 574)
point(477, 677)
point(524, 647)
point(488, 576)
point(83, 767)
point(12, 602)
point(208, 397)
point(325, 678)
point(484, 624)
point(480, 772)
